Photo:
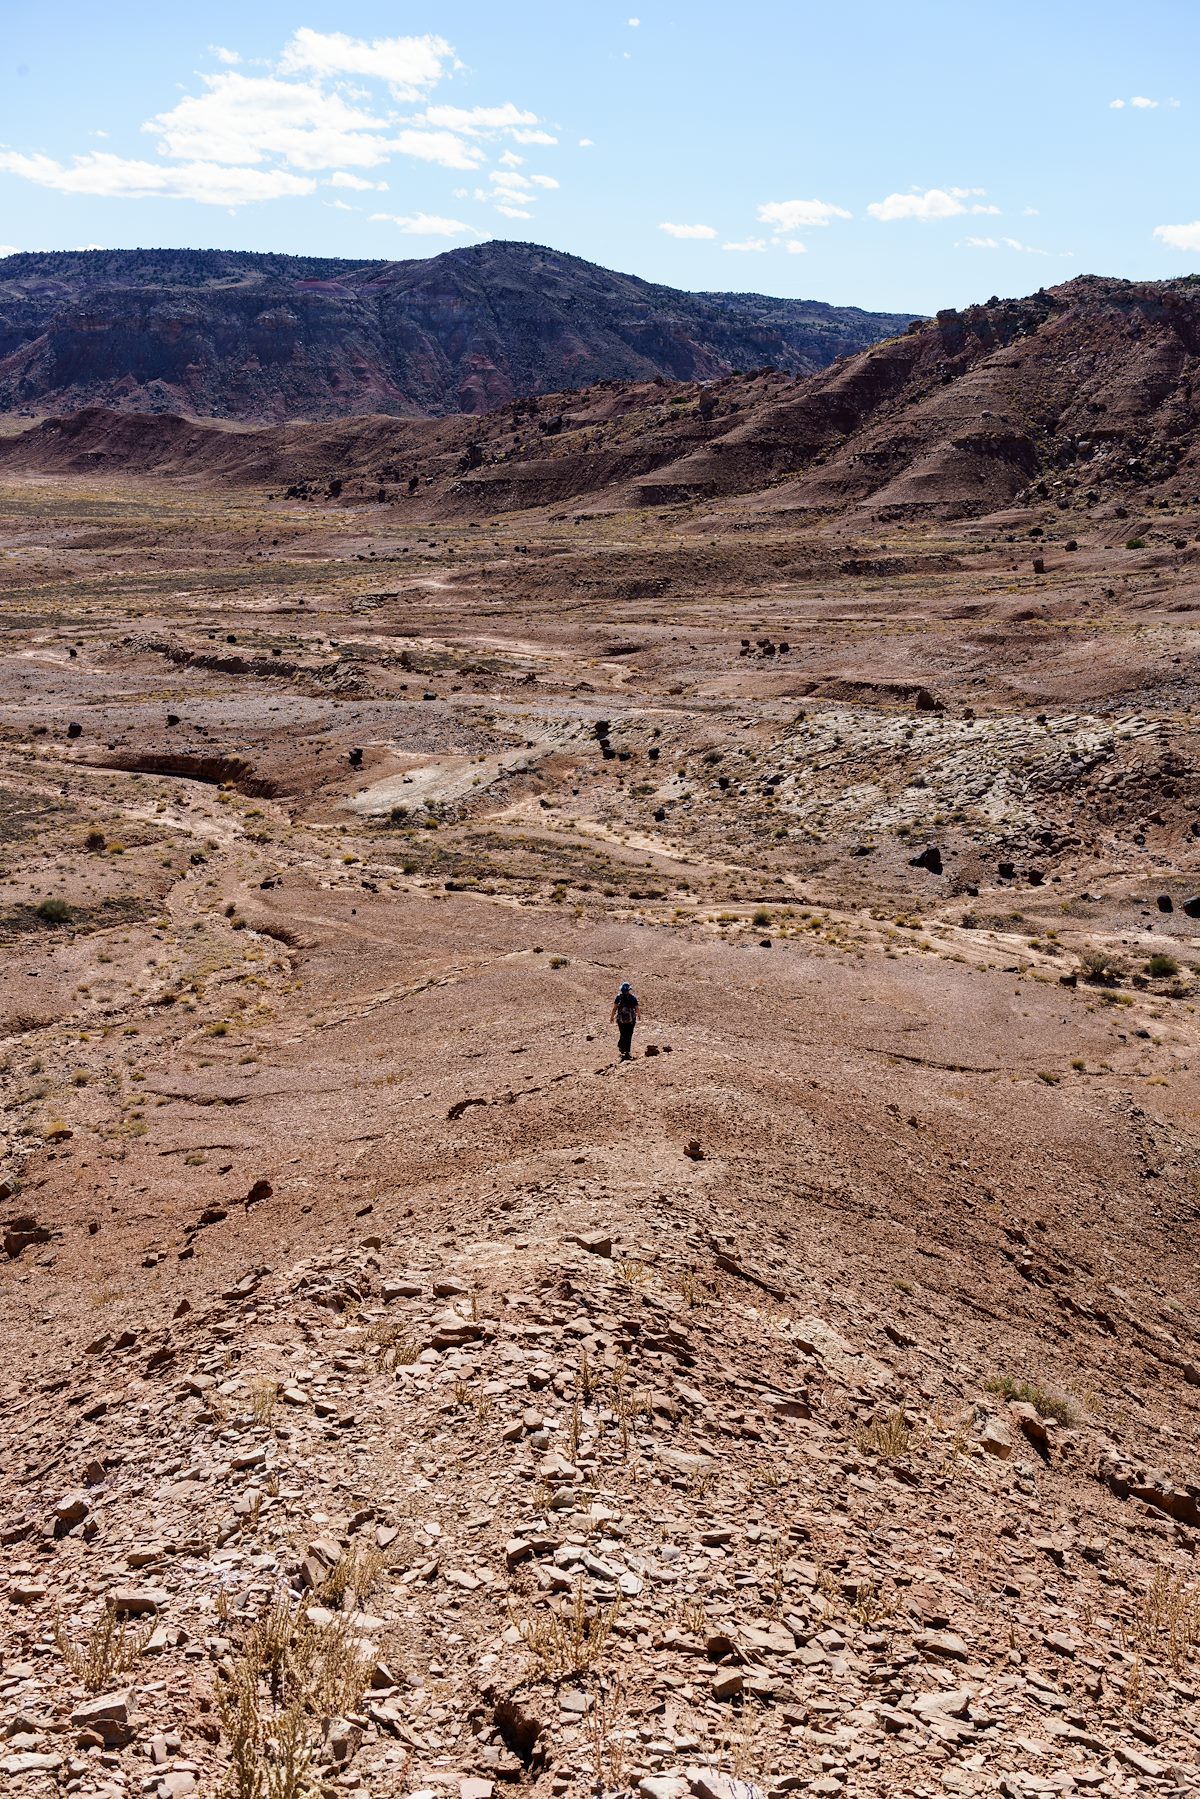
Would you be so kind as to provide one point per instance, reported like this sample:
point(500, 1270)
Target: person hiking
point(625, 1011)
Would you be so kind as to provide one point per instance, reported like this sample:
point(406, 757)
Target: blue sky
point(895, 156)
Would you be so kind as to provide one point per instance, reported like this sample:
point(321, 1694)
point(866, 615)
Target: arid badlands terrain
point(401, 1395)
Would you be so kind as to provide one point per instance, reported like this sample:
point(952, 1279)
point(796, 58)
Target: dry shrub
point(287, 1675)
point(888, 1436)
point(108, 1651)
point(564, 1644)
point(358, 1573)
point(1168, 1619)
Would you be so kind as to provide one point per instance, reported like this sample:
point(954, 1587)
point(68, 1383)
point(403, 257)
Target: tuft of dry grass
point(1050, 1405)
point(888, 1436)
point(1167, 1620)
point(264, 1401)
point(391, 1346)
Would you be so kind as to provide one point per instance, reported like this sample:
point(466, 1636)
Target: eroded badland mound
point(809, 1404)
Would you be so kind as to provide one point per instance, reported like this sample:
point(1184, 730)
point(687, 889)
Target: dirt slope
point(808, 1405)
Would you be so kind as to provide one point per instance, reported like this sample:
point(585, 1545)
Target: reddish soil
point(838, 1361)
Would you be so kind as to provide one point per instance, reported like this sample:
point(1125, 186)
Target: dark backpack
point(626, 1008)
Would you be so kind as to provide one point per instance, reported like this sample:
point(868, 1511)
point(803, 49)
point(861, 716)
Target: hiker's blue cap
point(624, 986)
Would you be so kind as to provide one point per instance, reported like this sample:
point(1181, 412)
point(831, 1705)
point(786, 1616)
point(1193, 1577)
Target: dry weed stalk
point(565, 1644)
point(1168, 1619)
point(889, 1436)
point(606, 1737)
point(288, 1674)
point(108, 1650)
point(693, 1618)
point(588, 1379)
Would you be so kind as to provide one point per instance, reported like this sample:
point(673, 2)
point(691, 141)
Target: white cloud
point(932, 203)
point(341, 179)
point(795, 215)
point(1179, 237)
point(1116, 105)
point(748, 244)
point(243, 119)
point(512, 212)
point(1006, 243)
point(510, 179)
point(587, 143)
point(409, 65)
point(993, 210)
point(688, 230)
point(252, 136)
point(635, 23)
point(436, 146)
point(339, 206)
point(473, 120)
point(795, 248)
point(1031, 212)
point(9, 250)
point(423, 224)
point(1143, 105)
point(116, 178)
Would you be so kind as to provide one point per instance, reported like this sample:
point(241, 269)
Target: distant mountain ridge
point(1086, 394)
point(270, 338)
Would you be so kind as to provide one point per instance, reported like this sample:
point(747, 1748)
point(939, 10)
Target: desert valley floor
point(809, 1404)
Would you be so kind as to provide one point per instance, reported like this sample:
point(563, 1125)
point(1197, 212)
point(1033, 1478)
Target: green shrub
point(1102, 966)
point(53, 911)
point(1161, 968)
point(1049, 1405)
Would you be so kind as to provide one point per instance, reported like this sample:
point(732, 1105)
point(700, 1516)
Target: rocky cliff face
point(269, 338)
